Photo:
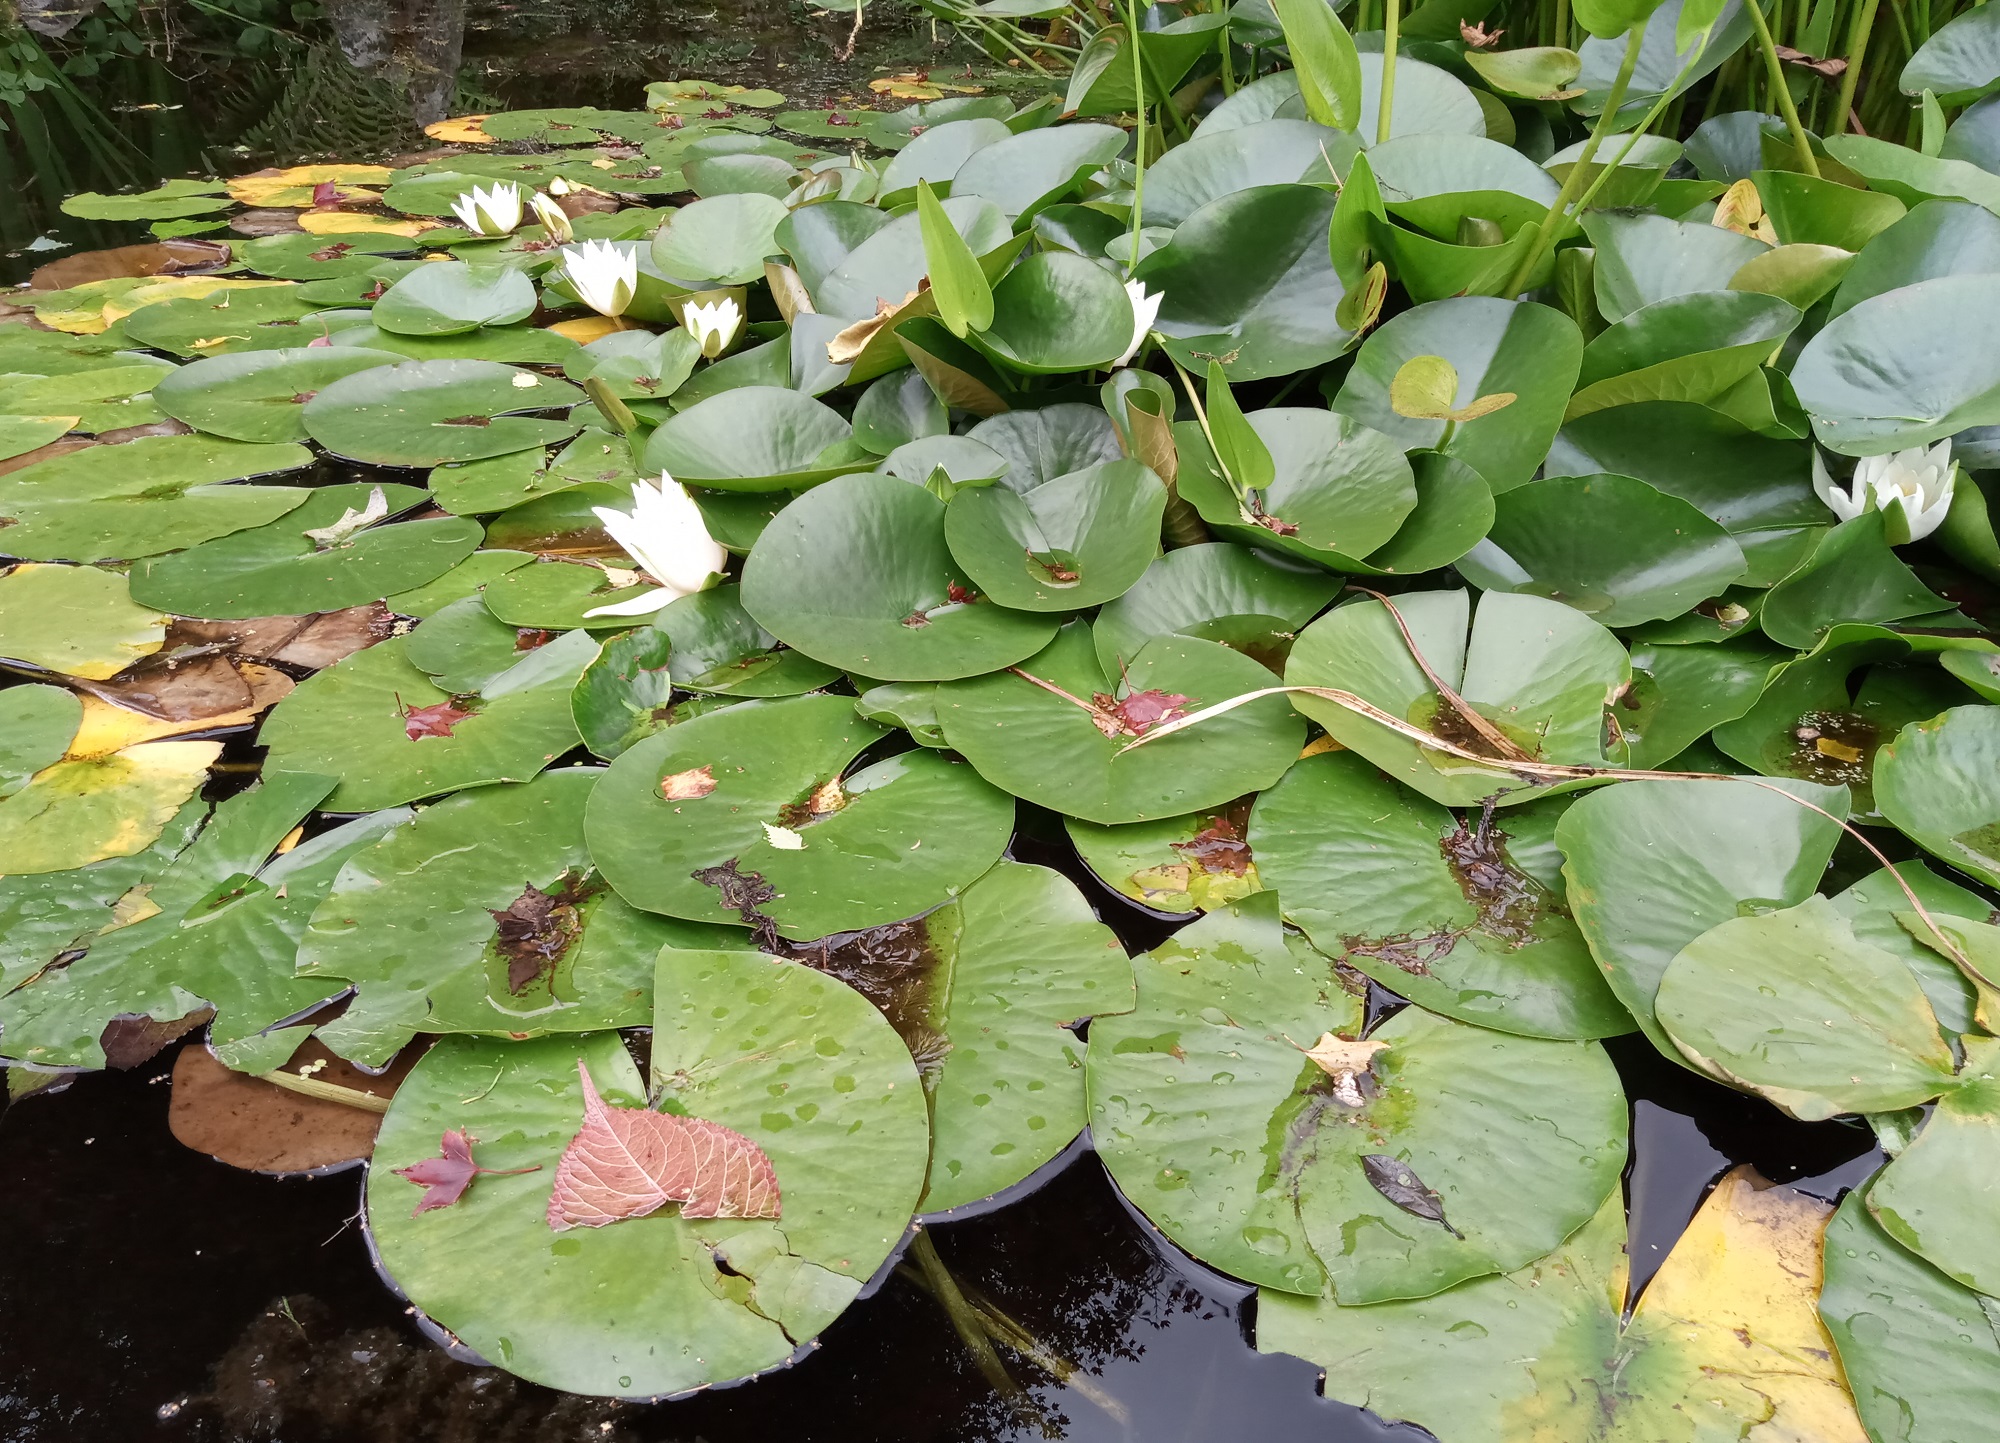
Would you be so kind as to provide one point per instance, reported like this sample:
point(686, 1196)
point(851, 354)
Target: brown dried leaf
point(180, 257)
point(249, 1123)
point(1405, 1189)
point(626, 1162)
point(534, 931)
point(435, 720)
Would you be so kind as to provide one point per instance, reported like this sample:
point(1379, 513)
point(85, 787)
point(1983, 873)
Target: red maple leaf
point(431, 721)
point(326, 196)
point(445, 1178)
point(959, 595)
point(626, 1162)
point(1138, 713)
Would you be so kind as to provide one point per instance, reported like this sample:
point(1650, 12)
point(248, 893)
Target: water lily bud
point(713, 324)
point(1911, 488)
point(489, 212)
point(604, 277)
point(666, 534)
point(554, 219)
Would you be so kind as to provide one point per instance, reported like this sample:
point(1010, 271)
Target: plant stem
point(1573, 182)
point(324, 1091)
point(1857, 50)
point(1560, 30)
point(1384, 112)
point(1808, 162)
point(965, 1322)
point(1139, 130)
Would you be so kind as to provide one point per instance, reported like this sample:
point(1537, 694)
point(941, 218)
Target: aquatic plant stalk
point(1573, 182)
point(324, 1091)
point(1808, 162)
point(1857, 51)
point(1385, 109)
point(1138, 130)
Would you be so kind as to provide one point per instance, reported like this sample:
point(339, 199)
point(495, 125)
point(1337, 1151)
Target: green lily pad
point(857, 574)
point(1918, 1349)
point(1464, 919)
point(1065, 752)
point(1724, 1341)
point(720, 238)
point(450, 297)
point(1680, 694)
point(1690, 348)
point(1497, 347)
point(1873, 907)
point(512, 345)
point(143, 497)
point(163, 202)
point(762, 836)
point(1032, 170)
point(426, 413)
point(704, 1301)
point(302, 257)
point(1249, 283)
point(260, 318)
point(468, 578)
point(1651, 866)
point(78, 620)
point(1539, 671)
point(626, 694)
point(1070, 542)
point(258, 395)
point(718, 647)
point(1176, 864)
point(1793, 1006)
point(484, 915)
point(1937, 238)
point(22, 434)
point(1193, 588)
point(36, 726)
point(280, 569)
point(351, 721)
point(754, 438)
point(555, 594)
point(1939, 782)
point(1056, 312)
point(1931, 1199)
point(1215, 1048)
point(83, 811)
point(108, 398)
point(1614, 548)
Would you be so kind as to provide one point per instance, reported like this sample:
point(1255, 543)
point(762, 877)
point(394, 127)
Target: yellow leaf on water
point(459, 130)
point(349, 222)
point(106, 728)
point(79, 812)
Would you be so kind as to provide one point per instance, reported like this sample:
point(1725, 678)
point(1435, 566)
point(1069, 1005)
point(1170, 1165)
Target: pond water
point(155, 1293)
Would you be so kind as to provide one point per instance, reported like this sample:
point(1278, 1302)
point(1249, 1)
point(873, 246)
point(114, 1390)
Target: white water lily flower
point(604, 277)
point(1145, 310)
point(663, 532)
point(494, 211)
point(554, 219)
point(713, 324)
point(1912, 488)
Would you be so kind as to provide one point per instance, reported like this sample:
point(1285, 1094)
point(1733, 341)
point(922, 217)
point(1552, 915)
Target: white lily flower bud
point(713, 324)
point(665, 533)
point(554, 219)
point(1911, 488)
point(1145, 310)
point(604, 277)
point(494, 211)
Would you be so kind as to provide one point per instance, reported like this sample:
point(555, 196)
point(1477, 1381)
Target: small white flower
point(784, 838)
point(713, 324)
point(554, 219)
point(604, 277)
point(489, 212)
point(1145, 310)
point(663, 532)
point(1911, 488)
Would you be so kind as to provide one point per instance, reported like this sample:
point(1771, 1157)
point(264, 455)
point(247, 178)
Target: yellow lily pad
point(79, 812)
point(459, 130)
point(294, 185)
point(78, 620)
point(107, 728)
point(349, 222)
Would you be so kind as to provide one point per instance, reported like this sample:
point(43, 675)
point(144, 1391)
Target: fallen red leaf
point(431, 721)
point(326, 196)
point(1138, 713)
point(445, 1178)
point(626, 1162)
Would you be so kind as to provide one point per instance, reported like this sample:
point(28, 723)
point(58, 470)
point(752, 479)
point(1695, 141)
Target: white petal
point(641, 605)
point(784, 838)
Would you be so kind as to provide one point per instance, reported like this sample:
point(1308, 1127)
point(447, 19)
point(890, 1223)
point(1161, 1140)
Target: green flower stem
point(1642, 128)
point(1139, 130)
point(1857, 50)
point(1573, 182)
point(1808, 162)
point(1391, 22)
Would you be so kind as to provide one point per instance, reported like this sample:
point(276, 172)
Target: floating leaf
point(79, 620)
point(445, 1178)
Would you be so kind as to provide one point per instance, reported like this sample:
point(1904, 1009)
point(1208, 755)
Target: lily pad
point(1068, 752)
point(1070, 542)
point(1225, 1011)
point(261, 318)
point(36, 725)
point(282, 568)
point(1612, 547)
point(143, 497)
point(1176, 864)
point(749, 816)
point(754, 438)
point(1462, 916)
point(717, 647)
point(79, 812)
point(78, 620)
point(450, 297)
point(1932, 1198)
point(354, 721)
point(1536, 670)
point(1939, 782)
point(426, 413)
point(1191, 589)
point(1651, 866)
point(258, 395)
point(1725, 1337)
point(708, 1301)
point(485, 915)
point(857, 574)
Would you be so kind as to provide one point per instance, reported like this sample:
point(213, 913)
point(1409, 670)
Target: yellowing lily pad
point(80, 812)
point(78, 620)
